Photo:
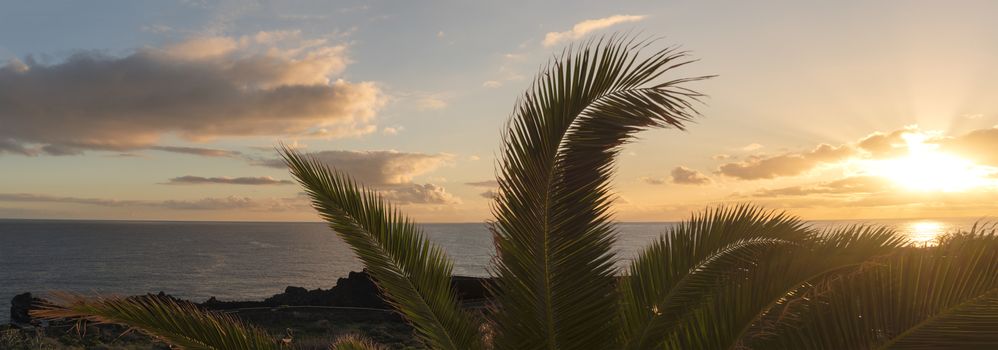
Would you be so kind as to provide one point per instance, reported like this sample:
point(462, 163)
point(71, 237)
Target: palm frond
point(684, 267)
point(556, 284)
point(768, 293)
point(176, 322)
point(414, 273)
point(943, 297)
point(354, 342)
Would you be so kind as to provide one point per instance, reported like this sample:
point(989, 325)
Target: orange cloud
point(585, 27)
point(687, 176)
point(790, 164)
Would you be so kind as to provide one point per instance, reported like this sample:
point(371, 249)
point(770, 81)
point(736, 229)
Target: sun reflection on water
point(925, 232)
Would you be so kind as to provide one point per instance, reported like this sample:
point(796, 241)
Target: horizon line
point(979, 219)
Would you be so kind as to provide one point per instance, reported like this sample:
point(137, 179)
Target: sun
point(927, 169)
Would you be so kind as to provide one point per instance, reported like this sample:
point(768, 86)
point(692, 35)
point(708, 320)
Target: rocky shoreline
point(354, 306)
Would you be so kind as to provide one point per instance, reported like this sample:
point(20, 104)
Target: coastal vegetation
point(729, 277)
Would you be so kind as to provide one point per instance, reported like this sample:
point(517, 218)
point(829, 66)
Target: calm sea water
point(240, 261)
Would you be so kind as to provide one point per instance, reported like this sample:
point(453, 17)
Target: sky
point(170, 110)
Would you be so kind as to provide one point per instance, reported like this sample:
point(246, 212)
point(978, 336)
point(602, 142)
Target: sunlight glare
point(925, 232)
point(927, 169)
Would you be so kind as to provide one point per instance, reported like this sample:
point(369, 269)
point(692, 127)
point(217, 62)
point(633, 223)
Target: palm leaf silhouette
point(414, 273)
point(179, 323)
point(733, 277)
point(556, 283)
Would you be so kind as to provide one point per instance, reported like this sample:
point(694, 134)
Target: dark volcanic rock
point(470, 288)
point(19, 307)
point(358, 289)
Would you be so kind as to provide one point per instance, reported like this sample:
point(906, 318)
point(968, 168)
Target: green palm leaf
point(556, 284)
point(766, 293)
point(179, 323)
point(414, 273)
point(680, 270)
point(353, 342)
point(943, 297)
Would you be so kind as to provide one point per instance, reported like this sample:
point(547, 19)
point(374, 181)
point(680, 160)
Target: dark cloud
point(376, 168)
point(41, 198)
point(8, 145)
point(198, 151)
point(211, 203)
point(200, 89)
point(492, 188)
point(790, 164)
point(490, 194)
point(686, 176)
point(196, 180)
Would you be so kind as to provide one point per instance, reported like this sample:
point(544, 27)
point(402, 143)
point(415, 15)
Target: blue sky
point(420, 91)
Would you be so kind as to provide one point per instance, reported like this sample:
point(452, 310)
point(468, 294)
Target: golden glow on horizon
point(924, 232)
point(926, 169)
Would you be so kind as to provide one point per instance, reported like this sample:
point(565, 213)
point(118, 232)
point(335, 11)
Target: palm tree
point(728, 278)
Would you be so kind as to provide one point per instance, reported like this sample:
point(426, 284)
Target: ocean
point(245, 260)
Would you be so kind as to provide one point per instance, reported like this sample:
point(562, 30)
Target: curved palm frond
point(176, 322)
point(767, 292)
point(414, 273)
point(354, 342)
point(942, 297)
point(684, 267)
point(556, 284)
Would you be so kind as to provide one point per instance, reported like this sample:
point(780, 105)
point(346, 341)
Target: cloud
point(11, 146)
point(231, 202)
point(848, 185)
point(686, 176)
point(485, 183)
point(419, 194)
point(585, 27)
point(429, 103)
point(976, 145)
point(28, 197)
point(209, 203)
point(199, 151)
point(979, 145)
point(886, 145)
point(197, 180)
point(271, 83)
point(750, 147)
point(375, 168)
point(389, 172)
point(157, 28)
point(492, 84)
point(490, 185)
point(654, 180)
point(790, 164)
point(391, 130)
point(721, 157)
